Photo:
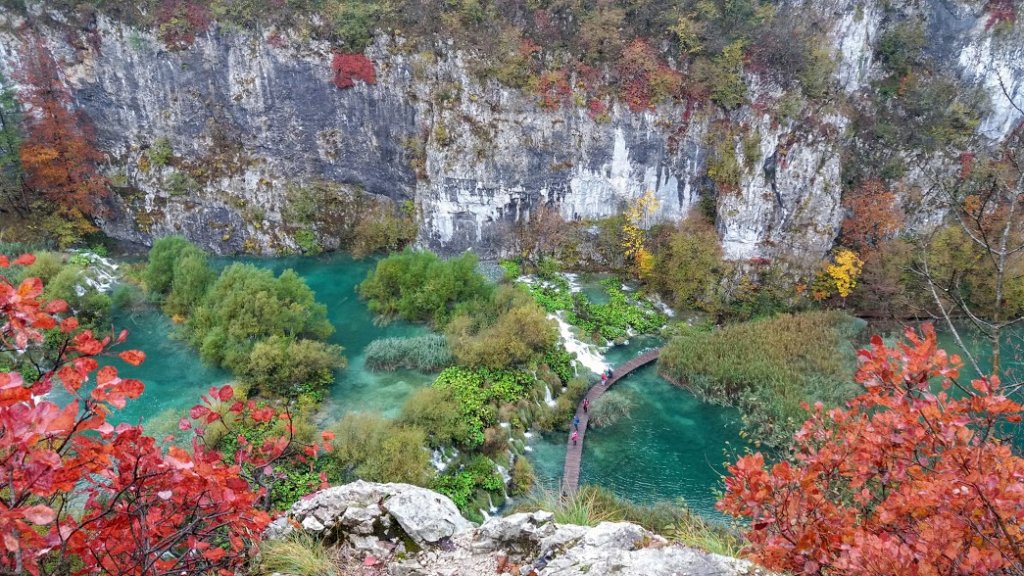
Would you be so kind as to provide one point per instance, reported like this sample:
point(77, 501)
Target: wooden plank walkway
point(574, 454)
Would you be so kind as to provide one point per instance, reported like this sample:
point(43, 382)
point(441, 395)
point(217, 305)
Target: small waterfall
point(100, 273)
point(440, 461)
point(490, 504)
point(548, 399)
point(484, 514)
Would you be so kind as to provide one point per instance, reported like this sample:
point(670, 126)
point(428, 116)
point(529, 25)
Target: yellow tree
point(841, 275)
point(634, 234)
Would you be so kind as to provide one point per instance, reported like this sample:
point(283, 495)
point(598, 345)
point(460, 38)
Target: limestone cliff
point(251, 116)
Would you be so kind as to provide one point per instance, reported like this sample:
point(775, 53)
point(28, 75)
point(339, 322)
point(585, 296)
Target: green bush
point(690, 271)
point(191, 278)
point(428, 353)
point(523, 477)
point(375, 449)
point(440, 414)
point(461, 482)
point(290, 367)
point(420, 287)
point(160, 153)
point(247, 304)
point(380, 229)
point(609, 321)
point(480, 391)
point(506, 330)
point(306, 239)
point(768, 368)
point(159, 272)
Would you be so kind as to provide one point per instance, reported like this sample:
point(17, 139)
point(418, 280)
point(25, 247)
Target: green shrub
point(523, 477)
point(461, 482)
point(375, 449)
point(690, 271)
point(428, 353)
point(768, 368)
point(380, 229)
point(160, 153)
point(247, 304)
point(290, 367)
point(191, 278)
point(901, 47)
point(609, 321)
point(440, 414)
point(306, 239)
point(506, 330)
point(420, 287)
point(159, 272)
point(728, 88)
point(479, 391)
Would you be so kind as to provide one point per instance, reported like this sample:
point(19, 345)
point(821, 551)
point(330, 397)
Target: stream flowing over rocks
point(248, 121)
point(409, 531)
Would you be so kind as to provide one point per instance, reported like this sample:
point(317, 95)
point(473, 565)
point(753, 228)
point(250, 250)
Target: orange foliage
point(58, 155)
point(905, 480)
point(872, 215)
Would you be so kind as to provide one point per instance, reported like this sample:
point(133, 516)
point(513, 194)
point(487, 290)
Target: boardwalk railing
point(574, 453)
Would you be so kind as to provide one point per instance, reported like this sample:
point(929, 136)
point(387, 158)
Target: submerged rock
point(418, 532)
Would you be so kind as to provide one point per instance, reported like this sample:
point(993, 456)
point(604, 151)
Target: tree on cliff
point(976, 271)
point(903, 480)
point(57, 154)
point(81, 496)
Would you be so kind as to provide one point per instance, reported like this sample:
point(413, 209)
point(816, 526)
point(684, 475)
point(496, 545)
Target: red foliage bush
point(1000, 11)
point(553, 88)
point(178, 22)
point(906, 479)
point(84, 497)
point(644, 79)
point(349, 67)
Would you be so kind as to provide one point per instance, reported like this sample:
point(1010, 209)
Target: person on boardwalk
point(604, 377)
point(610, 374)
point(575, 437)
point(576, 422)
point(586, 404)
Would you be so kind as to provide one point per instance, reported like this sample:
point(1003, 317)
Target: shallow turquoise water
point(334, 279)
point(671, 447)
point(175, 377)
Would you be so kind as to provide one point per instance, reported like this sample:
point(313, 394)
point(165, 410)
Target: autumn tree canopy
point(909, 478)
point(57, 155)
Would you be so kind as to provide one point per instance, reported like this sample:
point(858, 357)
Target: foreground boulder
point(403, 530)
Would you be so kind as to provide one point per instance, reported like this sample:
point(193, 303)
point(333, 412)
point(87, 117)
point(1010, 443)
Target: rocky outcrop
point(410, 531)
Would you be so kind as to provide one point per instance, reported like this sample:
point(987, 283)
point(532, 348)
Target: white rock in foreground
point(378, 520)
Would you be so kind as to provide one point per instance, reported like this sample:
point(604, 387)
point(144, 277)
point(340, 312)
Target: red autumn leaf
point(133, 357)
point(225, 393)
point(68, 325)
point(25, 260)
point(38, 514)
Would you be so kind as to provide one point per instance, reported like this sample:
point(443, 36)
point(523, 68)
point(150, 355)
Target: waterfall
point(548, 399)
point(100, 273)
point(440, 461)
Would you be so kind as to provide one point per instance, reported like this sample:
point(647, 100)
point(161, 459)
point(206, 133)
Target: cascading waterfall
point(100, 273)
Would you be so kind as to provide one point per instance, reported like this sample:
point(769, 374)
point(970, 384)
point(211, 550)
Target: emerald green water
point(672, 446)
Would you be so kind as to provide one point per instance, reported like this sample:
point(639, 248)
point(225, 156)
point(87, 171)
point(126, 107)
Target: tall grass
point(297, 555)
point(768, 368)
point(429, 353)
point(592, 505)
point(610, 408)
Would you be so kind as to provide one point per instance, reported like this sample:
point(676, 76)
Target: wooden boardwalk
point(574, 454)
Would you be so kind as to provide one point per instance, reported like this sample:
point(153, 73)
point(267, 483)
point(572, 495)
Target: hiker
point(576, 422)
point(575, 437)
point(604, 377)
point(610, 374)
point(586, 404)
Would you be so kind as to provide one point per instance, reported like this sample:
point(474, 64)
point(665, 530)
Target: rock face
point(253, 119)
point(412, 531)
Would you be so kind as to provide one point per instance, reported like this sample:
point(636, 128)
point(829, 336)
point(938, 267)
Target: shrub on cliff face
point(348, 68)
